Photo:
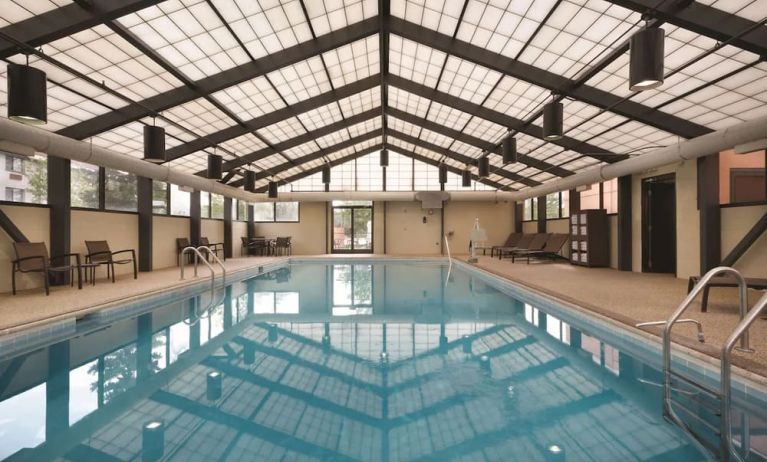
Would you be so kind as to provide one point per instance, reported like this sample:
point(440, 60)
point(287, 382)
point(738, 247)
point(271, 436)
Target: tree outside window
point(159, 197)
point(120, 191)
point(85, 185)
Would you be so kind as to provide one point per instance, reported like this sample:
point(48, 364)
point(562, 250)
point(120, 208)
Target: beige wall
point(407, 234)
point(530, 227)
point(119, 229)
point(308, 235)
point(165, 230)
point(736, 221)
point(213, 230)
point(34, 223)
point(496, 218)
point(239, 230)
point(379, 230)
point(612, 223)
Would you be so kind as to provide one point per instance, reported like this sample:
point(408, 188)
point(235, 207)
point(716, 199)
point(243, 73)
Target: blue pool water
point(402, 361)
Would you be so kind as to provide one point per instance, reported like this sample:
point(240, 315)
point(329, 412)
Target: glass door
point(352, 227)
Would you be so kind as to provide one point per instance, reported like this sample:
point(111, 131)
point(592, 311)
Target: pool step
point(699, 408)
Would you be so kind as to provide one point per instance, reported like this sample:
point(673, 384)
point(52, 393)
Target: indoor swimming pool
point(352, 360)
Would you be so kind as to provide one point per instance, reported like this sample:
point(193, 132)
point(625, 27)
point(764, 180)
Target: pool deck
point(623, 296)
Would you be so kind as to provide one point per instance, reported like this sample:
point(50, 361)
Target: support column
point(251, 222)
point(57, 391)
point(624, 223)
point(574, 201)
point(195, 220)
point(542, 214)
point(519, 210)
point(710, 215)
point(59, 204)
point(145, 219)
point(227, 227)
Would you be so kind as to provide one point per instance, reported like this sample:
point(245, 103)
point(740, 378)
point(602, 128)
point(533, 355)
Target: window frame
point(274, 214)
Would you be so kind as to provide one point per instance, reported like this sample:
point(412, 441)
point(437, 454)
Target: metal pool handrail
point(197, 256)
point(449, 260)
point(217, 260)
point(741, 330)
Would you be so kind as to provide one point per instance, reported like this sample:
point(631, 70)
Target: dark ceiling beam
point(319, 154)
point(299, 140)
point(545, 79)
point(65, 21)
point(225, 79)
point(332, 163)
point(384, 16)
point(705, 20)
point(450, 168)
point(459, 157)
point(474, 141)
point(272, 118)
point(500, 118)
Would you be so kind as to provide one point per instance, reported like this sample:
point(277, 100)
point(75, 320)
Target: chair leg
point(13, 281)
point(704, 302)
point(112, 267)
point(47, 287)
point(135, 270)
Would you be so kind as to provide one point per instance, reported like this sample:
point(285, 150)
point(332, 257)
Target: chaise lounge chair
point(723, 281)
point(100, 254)
point(537, 243)
point(550, 250)
point(32, 257)
point(511, 242)
point(522, 243)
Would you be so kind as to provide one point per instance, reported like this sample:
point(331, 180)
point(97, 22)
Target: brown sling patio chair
point(550, 250)
point(215, 248)
point(100, 253)
point(181, 244)
point(522, 243)
point(511, 241)
point(536, 243)
point(32, 257)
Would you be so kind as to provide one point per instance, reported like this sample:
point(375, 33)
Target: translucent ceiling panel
point(250, 99)
point(419, 132)
point(467, 80)
point(372, 125)
point(754, 10)
point(324, 115)
point(270, 162)
point(408, 102)
point(415, 62)
point(332, 139)
point(577, 34)
point(189, 35)
point(301, 150)
point(608, 131)
point(398, 125)
point(353, 62)
point(486, 130)
point(516, 97)
point(343, 177)
point(191, 163)
point(361, 102)
point(327, 16)
point(438, 15)
point(282, 130)
point(309, 183)
point(199, 115)
point(504, 26)
point(13, 11)
point(129, 139)
point(300, 81)
point(447, 116)
point(265, 27)
point(466, 149)
point(245, 144)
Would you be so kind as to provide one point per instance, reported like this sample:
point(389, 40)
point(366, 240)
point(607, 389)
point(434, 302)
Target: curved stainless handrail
point(449, 259)
point(741, 330)
point(217, 260)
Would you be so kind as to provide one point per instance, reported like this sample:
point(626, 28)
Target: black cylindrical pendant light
point(272, 190)
point(384, 157)
point(509, 150)
point(27, 95)
point(466, 178)
point(646, 59)
point(154, 144)
point(326, 174)
point(215, 166)
point(552, 121)
point(484, 166)
point(250, 181)
point(442, 173)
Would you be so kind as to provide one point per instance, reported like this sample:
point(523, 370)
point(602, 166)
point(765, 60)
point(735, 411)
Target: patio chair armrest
point(132, 252)
point(67, 255)
point(89, 256)
point(34, 257)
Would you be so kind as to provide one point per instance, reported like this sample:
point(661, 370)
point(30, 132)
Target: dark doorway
point(659, 224)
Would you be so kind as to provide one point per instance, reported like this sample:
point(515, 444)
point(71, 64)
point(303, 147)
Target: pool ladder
point(724, 393)
point(198, 256)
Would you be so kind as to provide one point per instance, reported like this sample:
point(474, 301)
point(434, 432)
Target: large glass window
point(216, 206)
point(425, 177)
point(399, 173)
point(204, 204)
point(558, 205)
point(242, 210)
point(276, 211)
point(263, 211)
point(26, 179)
point(120, 191)
point(590, 197)
point(601, 195)
point(179, 201)
point(85, 185)
point(369, 173)
point(742, 177)
point(530, 209)
point(159, 197)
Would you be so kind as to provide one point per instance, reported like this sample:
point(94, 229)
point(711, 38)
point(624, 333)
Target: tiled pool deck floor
point(626, 297)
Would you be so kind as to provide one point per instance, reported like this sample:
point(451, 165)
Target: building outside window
point(25, 179)
point(14, 194)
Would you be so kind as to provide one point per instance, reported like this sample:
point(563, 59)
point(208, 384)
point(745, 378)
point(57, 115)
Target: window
point(399, 173)
point(159, 197)
point(590, 198)
point(275, 212)
point(558, 205)
point(14, 194)
point(742, 177)
point(601, 196)
point(530, 209)
point(425, 177)
point(179, 201)
point(204, 204)
point(85, 185)
point(14, 164)
point(242, 210)
point(216, 206)
point(120, 191)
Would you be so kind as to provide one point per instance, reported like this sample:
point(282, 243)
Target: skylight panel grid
point(265, 27)
point(329, 16)
point(127, 139)
point(435, 138)
point(332, 139)
point(191, 163)
point(400, 144)
point(342, 177)
point(425, 176)
point(65, 108)
point(310, 147)
point(367, 126)
point(467, 80)
point(402, 127)
point(750, 9)
point(270, 162)
point(244, 144)
point(447, 116)
point(466, 149)
point(515, 97)
point(408, 102)
point(423, 152)
point(399, 173)
point(282, 130)
point(369, 173)
point(250, 99)
point(360, 102)
point(578, 34)
point(321, 116)
point(300, 81)
point(502, 29)
point(13, 11)
point(313, 163)
point(438, 15)
point(413, 61)
point(353, 61)
point(309, 183)
point(192, 38)
point(486, 130)
point(575, 112)
point(199, 115)
point(629, 136)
